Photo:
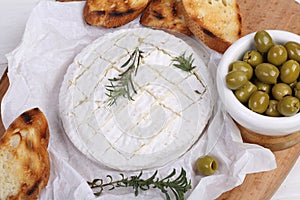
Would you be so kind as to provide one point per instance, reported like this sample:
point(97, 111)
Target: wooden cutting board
point(269, 14)
point(263, 185)
point(256, 15)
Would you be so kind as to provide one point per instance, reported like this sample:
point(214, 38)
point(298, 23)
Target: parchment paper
point(55, 33)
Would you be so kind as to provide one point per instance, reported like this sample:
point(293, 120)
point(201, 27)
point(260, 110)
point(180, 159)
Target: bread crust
point(113, 13)
point(217, 23)
point(25, 143)
point(165, 14)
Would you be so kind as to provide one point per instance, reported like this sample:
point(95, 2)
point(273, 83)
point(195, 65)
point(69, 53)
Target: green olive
point(288, 106)
point(262, 86)
point(258, 102)
point(297, 90)
point(263, 41)
point(277, 55)
point(242, 66)
point(281, 90)
point(253, 58)
point(293, 50)
point(206, 165)
point(267, 73)
point(289, 71)
point(236, 79)
point(243, 94)
point(272, 109)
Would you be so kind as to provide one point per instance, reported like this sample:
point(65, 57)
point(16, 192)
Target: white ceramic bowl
point(258, 123)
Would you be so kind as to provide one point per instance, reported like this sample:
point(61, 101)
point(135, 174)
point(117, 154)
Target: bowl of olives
point(258, 82)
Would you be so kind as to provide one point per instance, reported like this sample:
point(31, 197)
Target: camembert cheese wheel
point(167, 115)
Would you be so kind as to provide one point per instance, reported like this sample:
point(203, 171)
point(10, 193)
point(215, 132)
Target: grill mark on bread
point(26, 117)
point(99, 12)
point(158, 15)
point(209, 33)
point(34, 188)
point(174, 10)
point(121, 14)
point(240, 21)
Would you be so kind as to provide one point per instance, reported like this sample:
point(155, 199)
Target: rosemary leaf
point(178, 186)
point(122, 85)
point(184, 63)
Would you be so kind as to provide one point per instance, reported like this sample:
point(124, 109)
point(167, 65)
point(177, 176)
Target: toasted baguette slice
point(112, 13)
point(217, 23)
point(165, 14)
point(24, 159)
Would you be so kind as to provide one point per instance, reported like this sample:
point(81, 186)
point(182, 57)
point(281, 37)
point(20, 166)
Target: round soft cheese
point(165, 116)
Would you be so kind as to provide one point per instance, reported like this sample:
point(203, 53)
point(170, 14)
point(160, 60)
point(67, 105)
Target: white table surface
point(13, 17)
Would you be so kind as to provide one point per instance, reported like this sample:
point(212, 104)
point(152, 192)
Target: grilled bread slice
point(165, 14)
point(24, 159)
point(112, 13)
point(217, 23)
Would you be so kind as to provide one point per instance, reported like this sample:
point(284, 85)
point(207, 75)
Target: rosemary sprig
point(178, 187)
point(123, 84)
point(184, 63)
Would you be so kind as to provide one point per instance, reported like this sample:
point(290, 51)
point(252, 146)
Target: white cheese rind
point(169, 111)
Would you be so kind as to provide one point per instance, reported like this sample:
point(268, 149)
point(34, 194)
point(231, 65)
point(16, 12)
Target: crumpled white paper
point(55, 33)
